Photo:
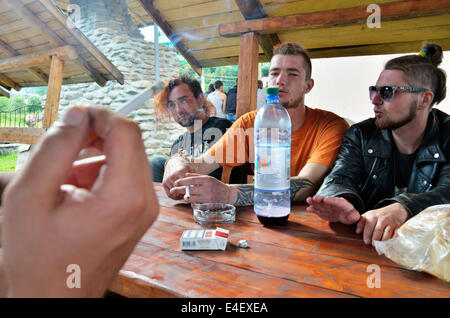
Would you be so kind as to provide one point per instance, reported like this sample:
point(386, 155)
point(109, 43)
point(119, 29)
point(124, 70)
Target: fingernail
point(73, 116)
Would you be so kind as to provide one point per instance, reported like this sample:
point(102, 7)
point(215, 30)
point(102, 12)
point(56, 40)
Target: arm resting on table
point(302, 185)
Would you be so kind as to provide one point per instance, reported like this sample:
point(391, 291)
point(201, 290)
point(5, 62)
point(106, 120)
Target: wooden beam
point(251, 10)
point(94, 74)
point(4, 92)
point(248, 74)
point(28, 136)
point(34, 21)
point(231, 60)
point(36, 71)
point(7, 49)
point(39, 74)
point(54, 91)
point(389, 11)
point(374, 49)
point(24, 61)
point(168, 31)
point(5, 81)
point(84, 41)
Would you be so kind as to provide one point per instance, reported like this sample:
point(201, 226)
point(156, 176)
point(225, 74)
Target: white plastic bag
point(423, 242)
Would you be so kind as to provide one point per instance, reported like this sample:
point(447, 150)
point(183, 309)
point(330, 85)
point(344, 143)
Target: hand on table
point(374, 225)
point(381, 224)
point(333, 209)
point(91, 214)
point(202, 189)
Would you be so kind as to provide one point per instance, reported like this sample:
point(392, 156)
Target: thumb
point(352, 217)
point(52, 159)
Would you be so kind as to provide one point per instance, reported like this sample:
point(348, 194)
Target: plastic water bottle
point(272, 202)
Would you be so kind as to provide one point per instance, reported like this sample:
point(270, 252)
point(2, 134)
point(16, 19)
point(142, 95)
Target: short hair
point(218, 84)
point(260, 84)
point(160, 100)
point(292, 48)
point(422, 70)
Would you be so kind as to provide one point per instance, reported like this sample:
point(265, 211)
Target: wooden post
point(54, 91)
point(248, 74)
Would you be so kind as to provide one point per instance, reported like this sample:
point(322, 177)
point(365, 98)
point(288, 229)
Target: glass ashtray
point(214, 213)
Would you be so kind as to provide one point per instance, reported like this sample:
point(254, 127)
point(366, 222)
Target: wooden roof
point(138, 15)
point(33, 31)
point(207, 32)
point(210, 30)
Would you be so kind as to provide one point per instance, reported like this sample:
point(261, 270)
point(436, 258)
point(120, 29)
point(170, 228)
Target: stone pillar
point(109, 27)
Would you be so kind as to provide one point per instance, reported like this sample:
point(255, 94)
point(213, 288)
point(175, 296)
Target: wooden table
point(307, 257)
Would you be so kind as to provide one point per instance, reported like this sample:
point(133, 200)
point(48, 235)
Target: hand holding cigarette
point(187, 195)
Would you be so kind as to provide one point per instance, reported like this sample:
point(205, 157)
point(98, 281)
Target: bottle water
point(272, 202)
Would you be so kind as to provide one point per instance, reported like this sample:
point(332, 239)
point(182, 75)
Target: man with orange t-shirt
point(315, 141)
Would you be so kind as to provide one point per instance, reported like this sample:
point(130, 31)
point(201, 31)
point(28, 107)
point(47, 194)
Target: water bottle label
point(272, 168)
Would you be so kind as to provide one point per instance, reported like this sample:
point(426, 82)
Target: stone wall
point(110, 29)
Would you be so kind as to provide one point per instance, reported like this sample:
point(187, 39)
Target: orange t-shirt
point(318, 141)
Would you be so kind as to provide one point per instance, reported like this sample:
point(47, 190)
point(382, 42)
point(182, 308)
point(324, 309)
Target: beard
point(293, 103)
point(186, 120)
point(388, 123)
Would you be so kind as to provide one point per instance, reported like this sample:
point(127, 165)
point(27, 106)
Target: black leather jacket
point(364, 169)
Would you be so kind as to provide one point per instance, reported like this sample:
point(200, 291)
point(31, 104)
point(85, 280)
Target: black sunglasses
point(388, 92)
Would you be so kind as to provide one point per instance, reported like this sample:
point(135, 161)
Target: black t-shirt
point(230, 107)
point(197, 143)
point(403, 167)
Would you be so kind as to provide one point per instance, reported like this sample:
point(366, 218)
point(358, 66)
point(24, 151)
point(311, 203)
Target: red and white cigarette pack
point(204, 239)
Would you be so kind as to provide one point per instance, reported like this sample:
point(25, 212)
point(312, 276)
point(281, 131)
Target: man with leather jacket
point(393, 166)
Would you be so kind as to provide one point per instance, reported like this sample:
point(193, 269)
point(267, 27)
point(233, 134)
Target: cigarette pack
point(204, 239)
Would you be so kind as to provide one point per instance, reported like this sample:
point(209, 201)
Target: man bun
point(422, 70)
point(434, 53)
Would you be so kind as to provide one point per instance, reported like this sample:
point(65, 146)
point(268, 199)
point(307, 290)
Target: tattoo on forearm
point(245, 194)
point(297, 184)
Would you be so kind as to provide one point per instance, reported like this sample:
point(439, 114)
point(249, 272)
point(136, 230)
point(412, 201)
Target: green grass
point(8, 162)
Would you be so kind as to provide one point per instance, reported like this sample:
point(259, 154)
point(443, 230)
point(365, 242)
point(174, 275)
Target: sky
point(341, 84)
point(148, 34)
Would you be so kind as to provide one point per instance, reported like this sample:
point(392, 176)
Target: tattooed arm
point(245, 192)
point(302, 186)
point(308, 181)
point(209, 189)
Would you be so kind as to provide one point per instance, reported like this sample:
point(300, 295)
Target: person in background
point(183, 100)
point(210, 89)
point(230, 108)
point(261, 95)
point(58, 211)
point(218, 99)
point(395, 165)
point(316, 137)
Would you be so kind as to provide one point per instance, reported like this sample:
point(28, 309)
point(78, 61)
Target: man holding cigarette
point(316, 137)
point(183, 100)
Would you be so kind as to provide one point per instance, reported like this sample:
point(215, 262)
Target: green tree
point(35, 101)
point(5, 103)
point(17, 101)
point(34, 104)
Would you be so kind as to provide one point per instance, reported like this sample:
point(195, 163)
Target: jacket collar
point(380, 144)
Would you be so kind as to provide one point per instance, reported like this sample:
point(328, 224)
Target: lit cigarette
point(187, 195)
